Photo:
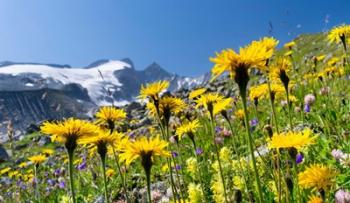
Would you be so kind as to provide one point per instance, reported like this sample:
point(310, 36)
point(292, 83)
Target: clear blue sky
point(178, 34)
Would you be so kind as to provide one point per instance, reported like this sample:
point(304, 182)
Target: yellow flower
point(257, 92)
point(14, 174)
point(37, 159)
point(320, 57)
point(47, 151)
point(195, 193)
point(188, 128)
point(192, 166)
point(69, 131)
point(110, 173)
point(317, 176)
point(288, 53)
point(292, 139)
point(110, 115)
point(239, 113)
point(22, 165)
point(153, 90)
point(146, 148)
point(253, 55)
point(167, 106)
point(289, 45)
point(338, 32)
point(103, 138)
point(238, 182)
point(279, 69)
point(315, 199)
point(196, 93)
point(333, 61)
point(5, 170)
point(214, 103)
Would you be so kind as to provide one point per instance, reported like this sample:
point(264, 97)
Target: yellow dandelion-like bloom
point(317, 176)
point(5, 170)
point(48, 151)
point(320, 57)
point(214, 103)
point(22, 165)
point(146, 148)
point(291, 139)
point(315, 199)
point(253, 55)
point(262, 91)
point(239, 113)
point(14, 174)
point(188, 128)
point(196, 93)
point(167, 105)
point(195, 193)
point(153, 90)
point(110, 115)
point(69, 131)
point(288, 53)
point(289, 45)
point(339, 32)
point(332, 71)
point(333, 61)
point(110, 173)
point(103, 138)
point(257, 92)
point(279, 69)
point(37, 159)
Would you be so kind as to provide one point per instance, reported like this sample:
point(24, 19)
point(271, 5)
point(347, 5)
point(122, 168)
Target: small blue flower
point(199, 151)
point(174, 154)
point(62, 184)
point(178, 167)
point(307, 108)
point(299, 158)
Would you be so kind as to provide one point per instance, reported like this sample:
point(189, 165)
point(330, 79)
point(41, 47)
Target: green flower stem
point(243, 93)
point(182, 188)
point(121, 176)
point(71, 179)
point(199, 171)
point(103, 165)
point(272, 106)
point(289, 108)
point(36, 182)
point(218, 157)
point(243, 174)
point(279, 183)
point(148, 179)
point(172, 182)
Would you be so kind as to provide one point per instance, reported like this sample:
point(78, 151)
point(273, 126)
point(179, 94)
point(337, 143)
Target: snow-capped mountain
point(33, 92)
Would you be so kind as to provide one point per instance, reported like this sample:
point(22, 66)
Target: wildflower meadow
point(282, 137)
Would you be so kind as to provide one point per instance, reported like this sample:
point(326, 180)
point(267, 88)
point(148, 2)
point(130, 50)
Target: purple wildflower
point(178, 167)
point(254, 122)
point(299, 158)
point(174, 154)
point(51, 182)
point(57, 172)
point(218, 129)
point(307, 108)
point(199, 151)
point(62, 184)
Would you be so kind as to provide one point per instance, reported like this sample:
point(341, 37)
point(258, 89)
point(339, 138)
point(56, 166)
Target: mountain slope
point(32, 92)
